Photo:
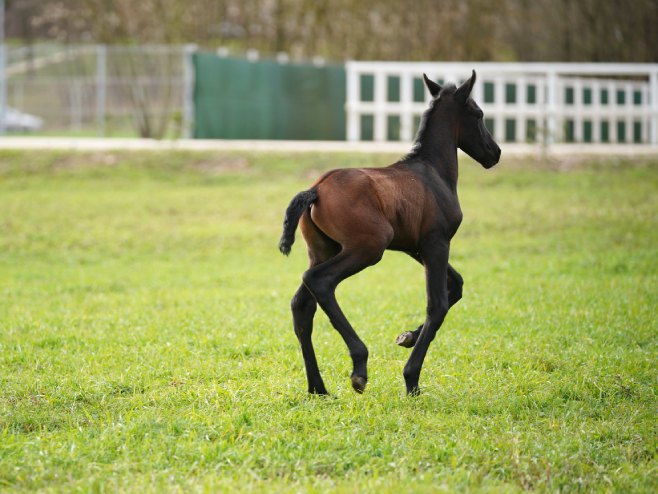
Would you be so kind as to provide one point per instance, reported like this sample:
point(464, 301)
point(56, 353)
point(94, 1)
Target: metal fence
point(536, 103)
point(102, 90)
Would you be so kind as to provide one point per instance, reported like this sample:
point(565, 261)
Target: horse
point(350, 216)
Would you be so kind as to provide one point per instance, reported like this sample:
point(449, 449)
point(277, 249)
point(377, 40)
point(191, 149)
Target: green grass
point(146, 341)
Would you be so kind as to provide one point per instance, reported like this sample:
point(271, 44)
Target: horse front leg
point(303, 307)
point(436, 272)
point(455, 284)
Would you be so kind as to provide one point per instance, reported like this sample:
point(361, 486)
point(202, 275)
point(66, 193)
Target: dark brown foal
point(349, 217)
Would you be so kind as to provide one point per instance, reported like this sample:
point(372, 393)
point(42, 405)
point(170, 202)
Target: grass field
point(146, 342)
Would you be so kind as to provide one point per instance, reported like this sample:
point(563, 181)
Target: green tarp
point(239, 99)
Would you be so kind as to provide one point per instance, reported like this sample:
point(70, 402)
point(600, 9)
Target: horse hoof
point(413, 392)
point(359, 384)
point(406, 340)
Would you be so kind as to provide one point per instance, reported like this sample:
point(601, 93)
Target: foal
point(349, 217)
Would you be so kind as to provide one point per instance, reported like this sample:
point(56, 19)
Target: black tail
point(296, 208)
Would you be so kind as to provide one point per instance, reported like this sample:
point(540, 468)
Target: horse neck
point(436, 144)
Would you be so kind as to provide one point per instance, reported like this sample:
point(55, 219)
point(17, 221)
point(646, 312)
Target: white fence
point(537, 103)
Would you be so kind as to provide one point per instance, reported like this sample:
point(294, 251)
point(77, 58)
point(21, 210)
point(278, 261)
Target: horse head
point(472, 136)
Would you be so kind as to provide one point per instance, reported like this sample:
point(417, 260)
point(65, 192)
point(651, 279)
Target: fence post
point(353, 130)
point(551, 107)
point(3, 69)
point(406, 101)
point(101, 87)
point(653, 94)
point(75, 92)
point(380, 122)
point(187, 117)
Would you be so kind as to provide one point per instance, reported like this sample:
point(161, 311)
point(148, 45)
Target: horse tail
point(299, 204)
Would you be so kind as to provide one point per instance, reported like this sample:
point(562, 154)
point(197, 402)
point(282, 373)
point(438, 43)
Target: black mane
point(421, 133)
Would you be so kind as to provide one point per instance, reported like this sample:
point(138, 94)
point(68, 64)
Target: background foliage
point(480, 30)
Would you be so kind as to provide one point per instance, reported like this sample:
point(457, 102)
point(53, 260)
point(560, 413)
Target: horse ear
point(464, 91)
point(434, 88)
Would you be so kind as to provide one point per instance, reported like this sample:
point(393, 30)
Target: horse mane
point(421, 137)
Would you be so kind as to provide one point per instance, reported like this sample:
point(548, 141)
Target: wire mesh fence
point(101, 90)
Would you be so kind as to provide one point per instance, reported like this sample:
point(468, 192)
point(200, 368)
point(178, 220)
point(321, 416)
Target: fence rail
point(531, 103)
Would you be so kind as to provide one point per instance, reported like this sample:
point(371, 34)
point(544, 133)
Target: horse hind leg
point(322, 281)
point(303, 307)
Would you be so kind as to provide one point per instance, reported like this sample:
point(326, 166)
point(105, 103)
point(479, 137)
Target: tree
point(524, 30)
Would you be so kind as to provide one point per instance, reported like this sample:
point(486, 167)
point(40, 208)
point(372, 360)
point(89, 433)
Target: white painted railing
point(522, 102)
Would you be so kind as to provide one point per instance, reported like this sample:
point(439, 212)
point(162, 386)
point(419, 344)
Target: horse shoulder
point(440, 207)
